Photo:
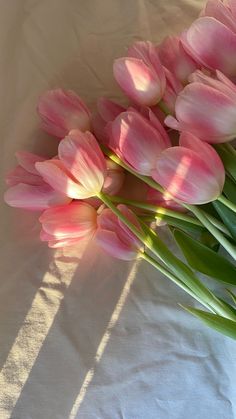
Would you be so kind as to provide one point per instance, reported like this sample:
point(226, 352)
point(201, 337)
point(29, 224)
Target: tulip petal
point(138, 141)
point(207, 153)
point(213, 44)
point(61, 111)
point(34, 197)
point(138, 81)
point(186, 176)
point(109, 241)
point(77, 219)
point(20, 175)
point(82, 156)
point(222, 13)
point(206, 112)
point(108, 109)
point(58, 177)
point(27, 161)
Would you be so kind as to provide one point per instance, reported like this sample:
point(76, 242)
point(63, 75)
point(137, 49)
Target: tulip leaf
point(219, 323)
point(205, 260)
point(230, 190)
point(233, 296)
point(228, 159)
point(227, 216)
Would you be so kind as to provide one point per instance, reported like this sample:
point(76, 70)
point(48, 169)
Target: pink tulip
point(115, 238)
point(62, 111)
point(140, 75)
point(211, 39)
point(174, 57)
point(206, 108)
point(107, 111)
point(27, 189)
point(68, 225)
point(193, 172)
point(137, 140)
point(163, 200)
point(81, 168)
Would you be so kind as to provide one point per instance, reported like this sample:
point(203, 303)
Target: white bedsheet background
point(84, 335)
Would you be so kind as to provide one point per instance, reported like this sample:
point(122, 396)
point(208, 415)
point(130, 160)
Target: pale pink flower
point(27, 189)
point(115, 238)
point(80, 170)
point(68, 225)
point(137, 140)
point(192, 172)
point(140, 75)
point(62, 111)
point(206, 108)
point(174, 57)
point(211, 39)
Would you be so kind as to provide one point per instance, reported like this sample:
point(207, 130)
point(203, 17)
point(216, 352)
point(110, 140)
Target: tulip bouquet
point(173, 136)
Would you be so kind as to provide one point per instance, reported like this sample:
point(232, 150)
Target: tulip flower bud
point(192, 172)
point(62, 111)
point(140, 75)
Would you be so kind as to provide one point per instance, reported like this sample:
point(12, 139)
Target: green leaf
point(228, 159)
point(205, 260)
point(221, 324)
point(210, 241)
point(233, 296)
point(184, 225)
point(230, 190)
point(227, 216)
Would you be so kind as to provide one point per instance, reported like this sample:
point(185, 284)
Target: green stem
point(230, 148)
point(178, 268)
point(200, 214)
point(227, 203)
point(217, 224)
point(164, 108)
point(172, 277)
point(156, 209)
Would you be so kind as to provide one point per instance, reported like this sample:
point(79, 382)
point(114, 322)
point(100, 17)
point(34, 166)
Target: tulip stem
point(173, 278)
point(230, 148)
point(156, 209)
point(227, 203)
point(213, 230)
point(178, 268)
point(164, 108)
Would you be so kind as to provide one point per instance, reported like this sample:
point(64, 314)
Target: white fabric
point(84, 335)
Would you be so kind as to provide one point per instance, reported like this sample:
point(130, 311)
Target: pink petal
point(124, 233)
point(61, 111)
point(20, 175)
point(186, 176)
point(207, 153)
point(213, 44)
point(34, 197)
point(138, 81)
point(218, 10)
point(58, 177)
point(108, 109)
point(175, 58)
point(27, 161)
point(138, 141)
point(206, 112)
point(163, 200)
point(109, 242)
point(83, 157)
point(77, 219)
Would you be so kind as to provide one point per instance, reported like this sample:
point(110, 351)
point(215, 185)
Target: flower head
point(61, 111)
point(115, 238)
point(140, 74)
point(192, 172)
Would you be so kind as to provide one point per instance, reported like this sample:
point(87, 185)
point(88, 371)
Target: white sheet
point(83, 335)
